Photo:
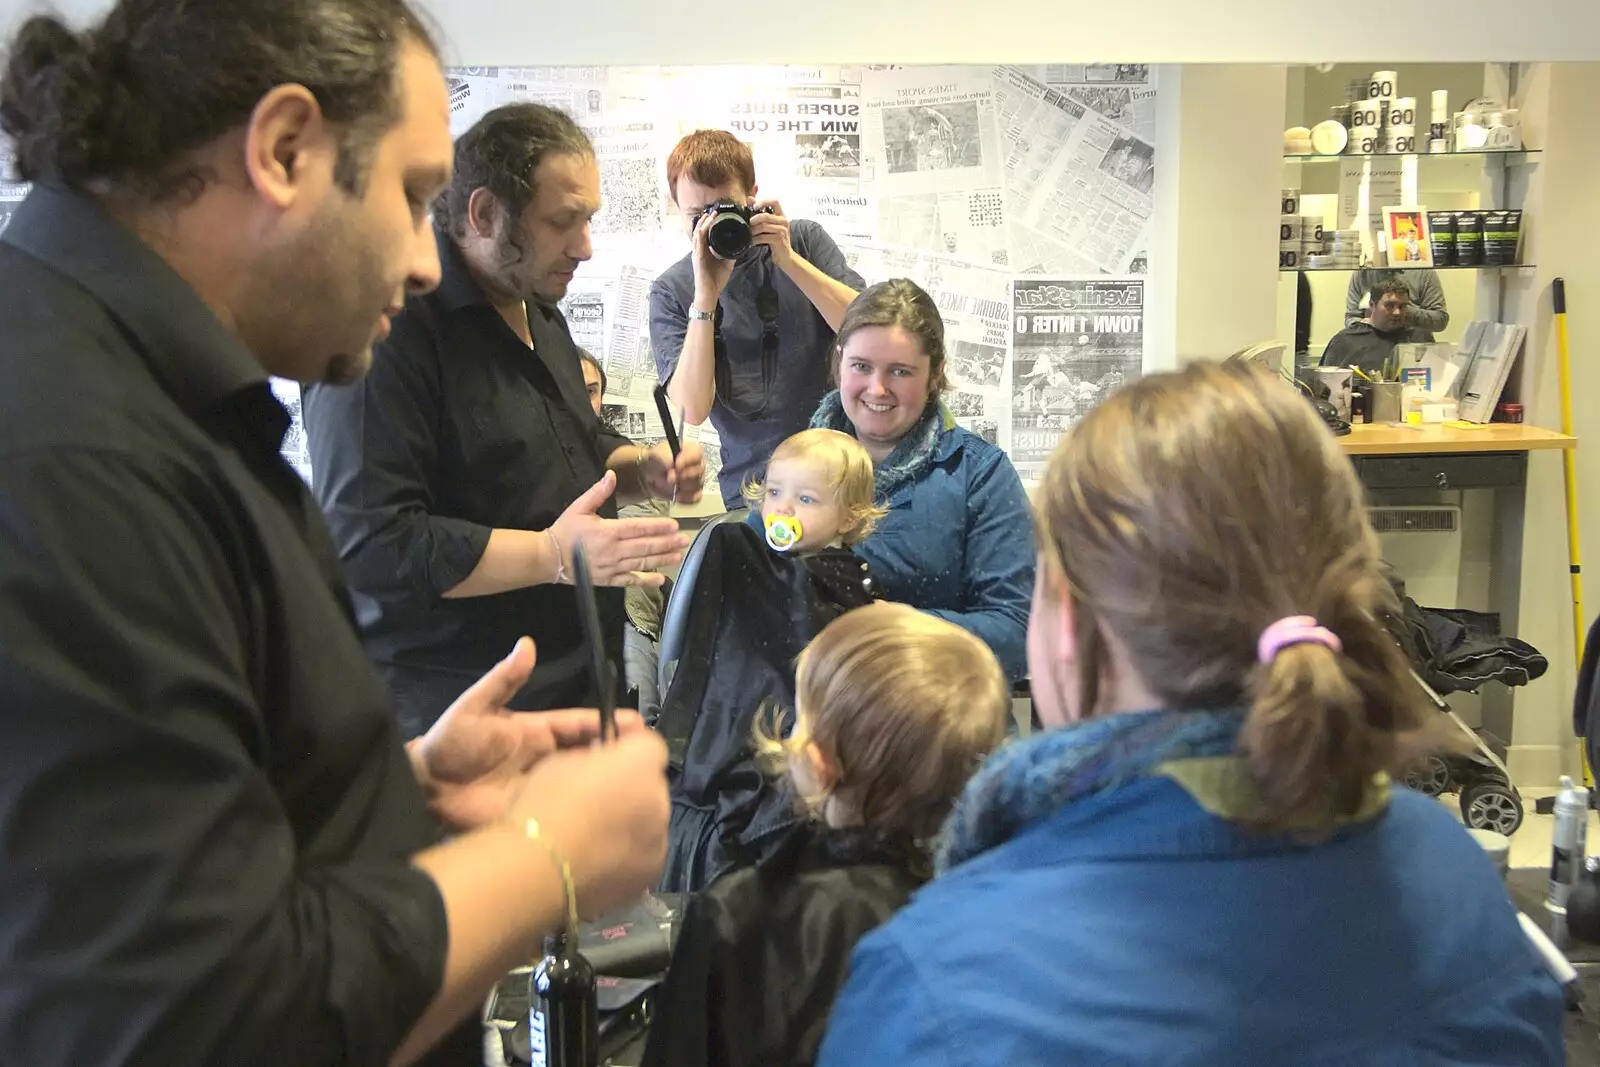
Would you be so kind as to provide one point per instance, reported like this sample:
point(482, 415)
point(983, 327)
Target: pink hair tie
point(1295, 630)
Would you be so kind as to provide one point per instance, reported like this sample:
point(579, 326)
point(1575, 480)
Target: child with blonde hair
point(817, 493)
point(762, 590)
point(895, 710)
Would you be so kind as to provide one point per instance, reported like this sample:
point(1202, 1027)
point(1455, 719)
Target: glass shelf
point(1312, 158)
point(1352, 270)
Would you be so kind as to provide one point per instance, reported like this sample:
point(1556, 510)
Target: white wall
point(1562, 193)
point(1019, 31)
point(1161, 327)
point(1226, 261)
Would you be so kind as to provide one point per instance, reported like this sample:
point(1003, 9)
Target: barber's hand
point(621, 551)
point(772, 230)
point(472, 762)
point(710, 273)
point(606, 810)
point(687, 475)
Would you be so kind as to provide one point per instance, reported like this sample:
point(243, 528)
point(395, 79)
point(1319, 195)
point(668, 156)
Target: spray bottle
point(1568, 844)
point(563, 1016)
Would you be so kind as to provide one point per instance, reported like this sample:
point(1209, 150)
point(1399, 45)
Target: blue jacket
point(958, 539)
point(1131, 926)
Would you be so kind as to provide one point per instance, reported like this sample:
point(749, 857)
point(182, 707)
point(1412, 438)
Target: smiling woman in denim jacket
point(958, 537)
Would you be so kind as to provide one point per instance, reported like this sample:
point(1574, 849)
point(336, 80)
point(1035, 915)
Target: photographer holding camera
point(743, 326)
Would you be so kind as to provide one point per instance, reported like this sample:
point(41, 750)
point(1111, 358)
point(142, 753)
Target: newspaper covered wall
point(11, 194)
point(803, 125)
point(12, 189)
point(1079, 187)
point(972, 180)
point(1073, 342)
point(967, 179)
point(932, 148)
point(296, 449)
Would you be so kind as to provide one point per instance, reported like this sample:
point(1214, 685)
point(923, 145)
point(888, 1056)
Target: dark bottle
point(1583, 904)
point(563, 1017)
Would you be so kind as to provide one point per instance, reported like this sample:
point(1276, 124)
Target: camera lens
point(728, 235)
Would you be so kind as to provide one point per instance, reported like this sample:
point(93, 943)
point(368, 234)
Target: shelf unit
point(1500, 180)
point(1505, 155)
point(1512, 293)
point(1352, 270)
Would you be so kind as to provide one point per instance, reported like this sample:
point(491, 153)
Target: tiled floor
point(1530, 845)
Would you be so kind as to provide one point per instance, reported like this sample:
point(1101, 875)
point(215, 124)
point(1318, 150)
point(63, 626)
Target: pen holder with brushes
point(1388, 402)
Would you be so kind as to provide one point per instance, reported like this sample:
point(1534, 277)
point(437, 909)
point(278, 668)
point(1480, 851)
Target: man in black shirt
point(213, 847)
point(1369, 343)
point(458, 475)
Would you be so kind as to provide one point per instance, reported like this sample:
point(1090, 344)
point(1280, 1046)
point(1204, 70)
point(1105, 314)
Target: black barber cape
point(1586, 701)
point(763, 953)
point(752, 612)
point(205, 810)
point(1362, 345)
point(459, 428)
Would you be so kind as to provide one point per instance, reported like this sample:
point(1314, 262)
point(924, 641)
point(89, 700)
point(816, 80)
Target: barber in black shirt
point(213, 847)
point(458, 475)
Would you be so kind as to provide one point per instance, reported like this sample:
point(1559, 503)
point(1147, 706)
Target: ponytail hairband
point(1294, 630)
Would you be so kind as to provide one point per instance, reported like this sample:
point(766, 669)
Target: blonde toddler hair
point(849, 470)
point(905, 706)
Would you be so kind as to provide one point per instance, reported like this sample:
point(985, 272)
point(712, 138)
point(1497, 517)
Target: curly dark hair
point(500, 153)
point(125, 105)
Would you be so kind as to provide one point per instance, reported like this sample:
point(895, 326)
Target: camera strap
point(767, 308)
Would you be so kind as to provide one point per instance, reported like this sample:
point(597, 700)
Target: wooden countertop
point(1362, 440)
point(1387, 440)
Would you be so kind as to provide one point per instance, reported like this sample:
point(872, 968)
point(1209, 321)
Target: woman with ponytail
point(1203, 859)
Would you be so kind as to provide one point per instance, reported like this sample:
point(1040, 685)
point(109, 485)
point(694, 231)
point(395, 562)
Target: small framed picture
point(1405, 237)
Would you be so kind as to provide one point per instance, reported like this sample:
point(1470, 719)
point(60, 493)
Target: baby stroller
point(1488, 799)
point(1458, 651)
point(739, 616)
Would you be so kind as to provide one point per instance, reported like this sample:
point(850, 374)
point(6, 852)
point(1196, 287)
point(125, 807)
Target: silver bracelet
point(561, 565)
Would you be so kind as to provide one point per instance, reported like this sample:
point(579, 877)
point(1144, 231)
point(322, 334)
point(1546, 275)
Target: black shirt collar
point(457, 287)
point(198, 361)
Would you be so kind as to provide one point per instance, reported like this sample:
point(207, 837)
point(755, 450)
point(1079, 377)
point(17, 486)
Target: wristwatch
point(702, 316)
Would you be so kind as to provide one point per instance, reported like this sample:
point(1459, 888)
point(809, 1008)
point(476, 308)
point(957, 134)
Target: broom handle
point(1569, 469)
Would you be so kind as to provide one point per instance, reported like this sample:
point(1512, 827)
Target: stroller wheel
point(1429, 776)
point(1491, 806)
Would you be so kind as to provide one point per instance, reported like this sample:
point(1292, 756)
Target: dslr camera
point(728, 233)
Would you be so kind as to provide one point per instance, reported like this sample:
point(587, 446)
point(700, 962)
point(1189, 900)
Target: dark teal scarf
point(1028, 781)
point(911, 458)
